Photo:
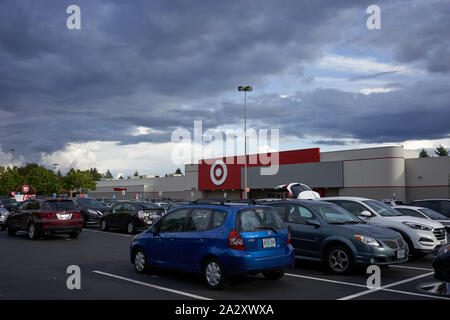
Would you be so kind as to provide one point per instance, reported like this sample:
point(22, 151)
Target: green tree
point(10, 179)
point(178, 171)
point(81, 181)
point(441, 151)
point(136, 174)
point(95, 174)
point(44, 180)
point(423, 154)
point(108, 174)
point(121, 177)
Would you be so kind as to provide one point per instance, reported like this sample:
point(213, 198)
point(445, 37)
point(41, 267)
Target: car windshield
point(433, 214)
point(297, 188)
point(334, 214)
point(382, 209)
point(255, 219)
point(59, 205)
point(90, 203)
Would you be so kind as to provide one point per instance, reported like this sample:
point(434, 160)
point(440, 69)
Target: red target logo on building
point(218, 172)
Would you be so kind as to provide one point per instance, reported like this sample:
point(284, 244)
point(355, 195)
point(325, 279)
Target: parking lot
point(37, 270)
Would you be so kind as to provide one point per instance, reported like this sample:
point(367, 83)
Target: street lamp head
point(245, 88)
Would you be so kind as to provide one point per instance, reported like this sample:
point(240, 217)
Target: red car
point(40, 217)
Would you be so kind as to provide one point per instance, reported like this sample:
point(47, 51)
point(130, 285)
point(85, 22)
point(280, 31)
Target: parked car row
point(220, 239)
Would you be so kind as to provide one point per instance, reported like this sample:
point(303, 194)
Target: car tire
point(103, 225)
point(11, 230)
point(214, 274)
point(32, 232)
point(74, 235)
point(131, 228)
point(274, 274)
point(339, 260)
point(140, 261)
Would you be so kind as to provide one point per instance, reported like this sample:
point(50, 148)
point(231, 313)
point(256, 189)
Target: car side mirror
point(366, 214)
point(312, 222)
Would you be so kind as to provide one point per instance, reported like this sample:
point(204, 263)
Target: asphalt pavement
point(37, 270)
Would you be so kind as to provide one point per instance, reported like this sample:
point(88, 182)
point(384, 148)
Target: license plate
point(149, 221)
point(64, 216)
point(269, 242)
point(401, 254)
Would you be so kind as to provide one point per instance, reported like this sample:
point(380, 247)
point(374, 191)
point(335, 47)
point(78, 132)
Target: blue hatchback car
point(218, 240)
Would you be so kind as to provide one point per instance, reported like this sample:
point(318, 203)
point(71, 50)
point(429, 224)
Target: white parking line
point(413, 268)
point(356, 295)
point(190, 295)
point(113, 233)
point(363, 286)
point(325, 280)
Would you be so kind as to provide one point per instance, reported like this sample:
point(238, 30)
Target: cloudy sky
point(111, 94)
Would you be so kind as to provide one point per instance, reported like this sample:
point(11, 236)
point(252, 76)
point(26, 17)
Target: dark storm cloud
point(420, 111)
point(414, 31)
point(164, 64)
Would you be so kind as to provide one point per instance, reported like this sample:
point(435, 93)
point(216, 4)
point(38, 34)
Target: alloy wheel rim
point(130, 227)
point(103, 224)
point(213, 273)
point(339, 260)
point(139, 261)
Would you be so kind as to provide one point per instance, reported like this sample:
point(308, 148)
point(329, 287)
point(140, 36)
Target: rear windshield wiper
point(266, 228)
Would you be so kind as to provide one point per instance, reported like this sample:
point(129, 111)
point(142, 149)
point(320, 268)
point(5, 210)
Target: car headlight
point(418, 226)
point(367, 240)
point(92, 211)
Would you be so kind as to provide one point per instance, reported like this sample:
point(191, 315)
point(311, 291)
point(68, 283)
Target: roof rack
point(224, 202)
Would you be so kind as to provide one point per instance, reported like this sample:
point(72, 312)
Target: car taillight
point(289, 238)
point(235, 240)
point(76, 214)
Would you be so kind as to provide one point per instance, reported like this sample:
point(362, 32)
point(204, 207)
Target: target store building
point(378, 173)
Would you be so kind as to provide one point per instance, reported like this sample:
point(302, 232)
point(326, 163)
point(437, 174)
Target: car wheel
point(130, 227)
point(103, 225)
point(11, 230)
point(140, 262)
point(32, 232)
point(73, 235)
point(339, 260)
point(214, 274)
point(274, 275)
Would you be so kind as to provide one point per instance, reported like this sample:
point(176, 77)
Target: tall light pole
point(12, 160)
point(245, 89)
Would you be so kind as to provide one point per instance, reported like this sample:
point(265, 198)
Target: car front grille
point(439, 233)
point(394, 244)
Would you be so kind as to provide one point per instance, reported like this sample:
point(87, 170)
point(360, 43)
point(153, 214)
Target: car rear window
point(59, 205)
point(256, 219)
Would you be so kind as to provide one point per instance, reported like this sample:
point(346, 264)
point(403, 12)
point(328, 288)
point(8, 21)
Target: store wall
point(427, 178)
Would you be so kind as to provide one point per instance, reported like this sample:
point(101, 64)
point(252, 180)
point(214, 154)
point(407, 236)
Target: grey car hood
point(371, 231)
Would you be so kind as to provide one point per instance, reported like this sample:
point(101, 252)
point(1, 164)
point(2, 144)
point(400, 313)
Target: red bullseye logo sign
point(218, 172)
point(25, 189)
